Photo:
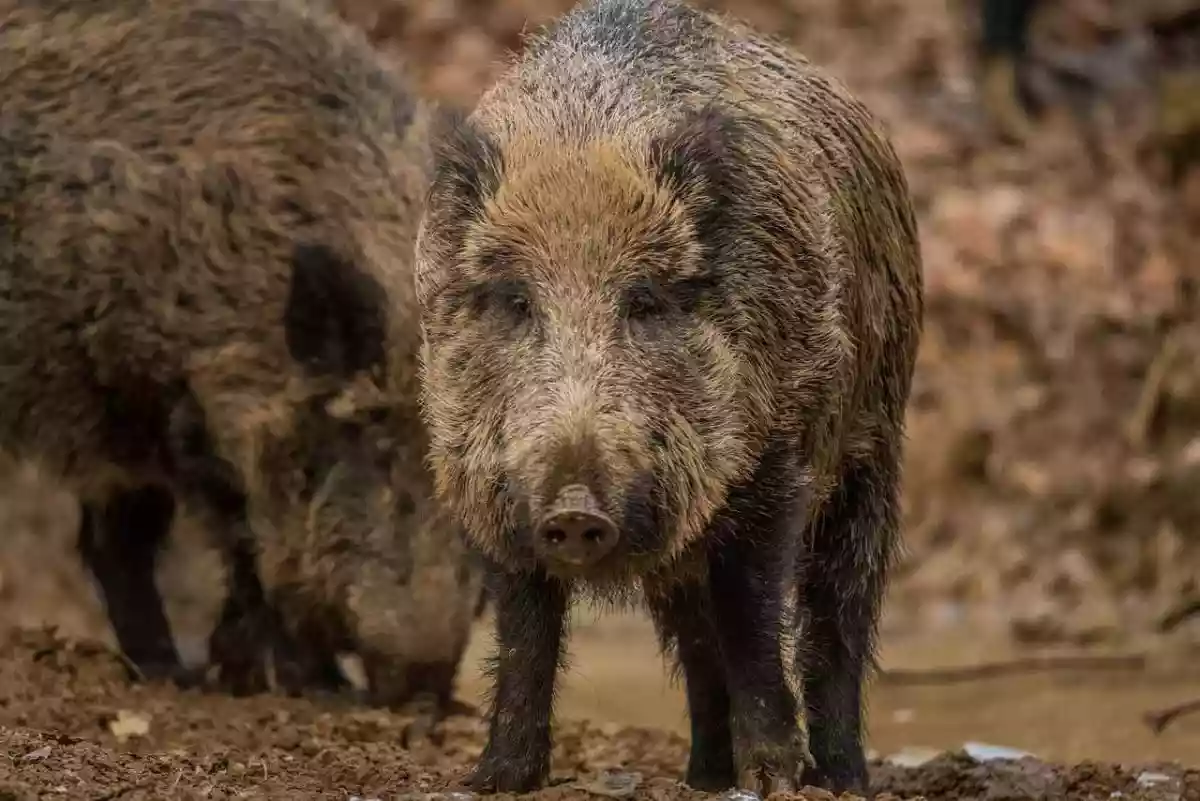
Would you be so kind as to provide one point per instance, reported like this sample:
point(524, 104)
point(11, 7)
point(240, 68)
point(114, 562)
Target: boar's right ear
point(467, 166)
point(335, 319)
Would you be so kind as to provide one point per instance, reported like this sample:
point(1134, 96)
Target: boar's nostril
point(575, 531)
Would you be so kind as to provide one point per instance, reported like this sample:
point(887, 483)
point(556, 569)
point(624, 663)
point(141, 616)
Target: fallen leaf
point(129, 724)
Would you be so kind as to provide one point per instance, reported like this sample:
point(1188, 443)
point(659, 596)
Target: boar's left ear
point(704, 158)
point(335, 319)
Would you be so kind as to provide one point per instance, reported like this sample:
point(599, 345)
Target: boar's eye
point(644, 301)
point(504, 297)
point(648, 301)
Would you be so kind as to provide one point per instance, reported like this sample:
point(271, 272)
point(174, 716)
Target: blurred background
point(1052, 487)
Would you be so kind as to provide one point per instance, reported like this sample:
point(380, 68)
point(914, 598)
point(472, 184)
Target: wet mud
point(73, 724)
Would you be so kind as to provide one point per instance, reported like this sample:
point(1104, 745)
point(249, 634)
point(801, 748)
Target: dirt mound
point(73, 725)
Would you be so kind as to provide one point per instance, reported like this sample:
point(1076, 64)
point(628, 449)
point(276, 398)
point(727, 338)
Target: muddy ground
point(1050, 488)
point(72, 725)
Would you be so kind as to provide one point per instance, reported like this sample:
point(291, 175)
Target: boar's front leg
point(119, 541)
point(683, 615)
point(251, 631)
point(751, 575)
point(247, 627)
point(530, 612)
point(843, 581)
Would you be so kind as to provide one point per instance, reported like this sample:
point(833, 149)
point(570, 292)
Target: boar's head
point(598, 337)
point(323, 458)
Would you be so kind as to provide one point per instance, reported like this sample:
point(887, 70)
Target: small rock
point(738, 795)
point(38, 755)
point(1149, 779)
point(912, 757)
point(982, 752)
point(613, 783)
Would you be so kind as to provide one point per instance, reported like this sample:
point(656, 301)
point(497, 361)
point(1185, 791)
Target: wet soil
point(73, 725)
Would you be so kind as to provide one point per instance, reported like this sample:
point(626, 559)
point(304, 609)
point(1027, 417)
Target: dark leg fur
point(683, 616)
point(531, 610)
point(250, 631)
point(749, 576)
point(119, 543)
point(1006, 27)
point(238, 645)
point(843, 580)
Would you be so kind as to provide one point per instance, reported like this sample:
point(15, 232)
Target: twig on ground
point(1160, 719)
point(1033, 664)
point(1179, 614)
point(1137, 428)
point(135, 671)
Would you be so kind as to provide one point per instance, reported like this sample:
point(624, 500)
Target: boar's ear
point(467, 166)
point(702, 160)
point(335, 319)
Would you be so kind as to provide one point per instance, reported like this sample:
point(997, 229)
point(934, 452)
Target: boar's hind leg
point(842, 584)
point(530, 611)
point(683, 616)
point(119, 542)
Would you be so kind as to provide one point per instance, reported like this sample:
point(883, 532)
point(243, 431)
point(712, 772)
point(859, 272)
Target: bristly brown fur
point(668, 259)
point(207, 216)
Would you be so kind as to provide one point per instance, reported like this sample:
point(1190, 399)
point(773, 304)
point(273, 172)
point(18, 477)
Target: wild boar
point(671, 295)
point(207, 215)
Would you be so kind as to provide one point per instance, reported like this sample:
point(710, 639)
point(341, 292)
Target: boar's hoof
point(507, 776)
point(182, 677)
point(516, 771)
point(575, 532)
point(767, 768)
point(764, 784)
point(838, 781)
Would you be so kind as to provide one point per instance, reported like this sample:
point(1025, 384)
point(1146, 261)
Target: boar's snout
point(575, 532)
